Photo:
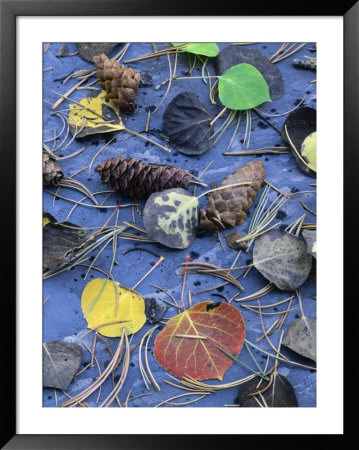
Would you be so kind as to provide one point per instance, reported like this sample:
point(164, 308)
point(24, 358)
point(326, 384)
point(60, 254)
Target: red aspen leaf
point(219, 325)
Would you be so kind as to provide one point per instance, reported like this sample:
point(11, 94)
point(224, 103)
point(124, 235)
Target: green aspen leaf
point(171, 217)
point(232, 55)
point(199, 48)
point(309, 150)
point(243, 87)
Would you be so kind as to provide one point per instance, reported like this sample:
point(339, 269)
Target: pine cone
point(51, 170)
point(227, 208)
point(136, 179)
point(120, 83)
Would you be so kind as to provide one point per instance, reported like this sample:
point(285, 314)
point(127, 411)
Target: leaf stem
point(243, 365)
point(184, 280)
point(153, 268)
point(190, 336)
point(218, 116)
point(195, 78)
point(277, 357)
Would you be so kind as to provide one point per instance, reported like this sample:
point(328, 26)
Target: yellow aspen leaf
point(98, 115)
point(309, 150)
point(45, 221)
point(129, 312)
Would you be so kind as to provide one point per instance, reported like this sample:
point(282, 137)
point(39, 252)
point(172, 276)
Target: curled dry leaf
point(279, 393)
point(60, 244)
point(187, 124)
point(218, 325)
point(171, 217)
point(301, 337)
point(233, 55)
point(282, 258)
point(60, 362)
point(88, 50)
point(298, 126)
point(128, 308)
point(99, 115)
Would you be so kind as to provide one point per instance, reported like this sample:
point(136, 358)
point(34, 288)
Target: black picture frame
point(9, 10)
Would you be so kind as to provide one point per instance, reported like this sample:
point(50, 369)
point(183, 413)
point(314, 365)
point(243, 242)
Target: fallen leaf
point(301, 337)
point(242, 87)
point(309, 150)
point(282, 258)
point(60, 244)
point(221, 324)
point(101, 116)
point(199, 48)
point(88, 50)
point(171, 217)
point(280, 393)
point(60, 362)
point(299, 124)
point(130, 308)
point(233, 55)
point(186, 123)
point(310, 237)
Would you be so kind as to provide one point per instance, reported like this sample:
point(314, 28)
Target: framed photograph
point(172, 234)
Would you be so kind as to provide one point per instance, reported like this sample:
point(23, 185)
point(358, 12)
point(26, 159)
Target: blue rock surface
point(62, 314)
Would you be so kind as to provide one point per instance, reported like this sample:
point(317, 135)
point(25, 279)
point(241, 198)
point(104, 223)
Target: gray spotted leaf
point(282, 258)
point(171, 217)
point(301, 337)
point(60, 362)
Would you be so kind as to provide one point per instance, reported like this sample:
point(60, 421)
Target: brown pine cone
point(51, 170)
point(120, 83)
point(136, 179)
point(227, 208)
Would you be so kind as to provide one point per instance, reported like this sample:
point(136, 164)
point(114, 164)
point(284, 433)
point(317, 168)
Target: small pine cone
point(51, 170)
point(120, 83)
point(228, 207)
point(136, 179)
point(234, 240)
